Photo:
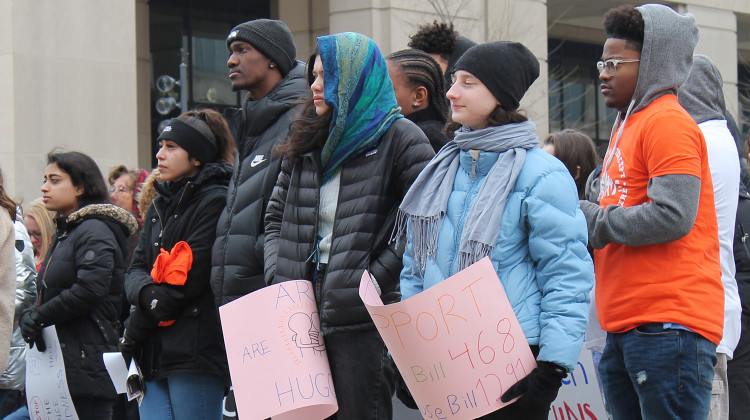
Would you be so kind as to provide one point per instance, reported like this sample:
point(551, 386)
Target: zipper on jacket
point(162, 225)
point(474, 158)
point(743, 239)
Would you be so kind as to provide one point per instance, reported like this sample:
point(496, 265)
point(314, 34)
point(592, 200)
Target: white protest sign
point(47, 393)
point(580, 397)
point(117, 370)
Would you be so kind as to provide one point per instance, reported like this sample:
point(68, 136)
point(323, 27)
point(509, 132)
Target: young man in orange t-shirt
point(659, 293)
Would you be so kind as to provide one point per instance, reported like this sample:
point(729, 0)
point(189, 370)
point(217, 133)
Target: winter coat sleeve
point(274, 215)
point(411, 153)
point(564, 270)
point(202, 232)
point(412, 279)
point(200, 239)
point(94, 261)
point(138, 274)
point(25, 273)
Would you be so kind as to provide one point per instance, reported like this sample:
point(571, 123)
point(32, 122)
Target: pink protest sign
point(457, 344)
point(277, 358)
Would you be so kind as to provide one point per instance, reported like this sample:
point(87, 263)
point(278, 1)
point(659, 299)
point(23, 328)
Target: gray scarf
point(425, 203)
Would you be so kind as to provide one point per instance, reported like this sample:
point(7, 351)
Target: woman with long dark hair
point(80, 283)
point(492, 192)
point(418, 84)
point(173, 330)
point(350, 159)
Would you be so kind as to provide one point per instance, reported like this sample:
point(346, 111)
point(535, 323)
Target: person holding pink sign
point(351, 158)
point(492, 192)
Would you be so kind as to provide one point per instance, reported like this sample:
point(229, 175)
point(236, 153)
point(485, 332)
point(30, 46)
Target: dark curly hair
point(435, 38)
point(625, 22)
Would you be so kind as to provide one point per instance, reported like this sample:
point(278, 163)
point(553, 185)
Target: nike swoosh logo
point(255, 163)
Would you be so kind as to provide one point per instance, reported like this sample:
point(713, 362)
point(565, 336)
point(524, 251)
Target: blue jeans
point(183, 397)
point(654, 373)
point(21, 414)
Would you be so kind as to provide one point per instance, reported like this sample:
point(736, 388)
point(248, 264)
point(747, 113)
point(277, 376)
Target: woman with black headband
point(173, 330)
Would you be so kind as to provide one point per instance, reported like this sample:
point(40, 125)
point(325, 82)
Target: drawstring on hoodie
point(611, 150)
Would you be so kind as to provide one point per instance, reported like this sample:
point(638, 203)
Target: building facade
point(80, 74)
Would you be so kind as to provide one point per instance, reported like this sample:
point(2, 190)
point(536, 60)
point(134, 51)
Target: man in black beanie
point(262, 60)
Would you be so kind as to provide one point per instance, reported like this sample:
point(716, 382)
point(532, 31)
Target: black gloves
point(539, 388)
point(127, 347)
point(31, 329)
point(160, 302)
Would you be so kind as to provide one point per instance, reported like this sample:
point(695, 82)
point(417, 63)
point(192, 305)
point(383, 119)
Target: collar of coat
point(104, 211)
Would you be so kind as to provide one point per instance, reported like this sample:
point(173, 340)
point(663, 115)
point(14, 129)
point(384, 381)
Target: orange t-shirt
point(679, 281)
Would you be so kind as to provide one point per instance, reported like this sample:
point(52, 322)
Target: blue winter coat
point(540, 255)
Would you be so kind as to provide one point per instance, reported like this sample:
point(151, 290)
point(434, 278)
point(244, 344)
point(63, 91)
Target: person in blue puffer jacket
point(510, 201)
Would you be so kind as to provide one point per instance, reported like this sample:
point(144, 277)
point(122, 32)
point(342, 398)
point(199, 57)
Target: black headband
point(193, 141)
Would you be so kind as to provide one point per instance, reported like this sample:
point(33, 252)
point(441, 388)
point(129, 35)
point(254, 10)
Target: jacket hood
point(667, 56)
point(110, 212)
point(260, 114)
point(702, 95)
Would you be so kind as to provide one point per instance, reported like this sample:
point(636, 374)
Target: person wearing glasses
point(654, 231)
point(125, 186)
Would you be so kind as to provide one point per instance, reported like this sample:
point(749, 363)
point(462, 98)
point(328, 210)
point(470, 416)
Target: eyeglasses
point(611, 65)
point(119, 190)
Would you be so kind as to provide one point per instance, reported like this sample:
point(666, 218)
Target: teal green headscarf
point(360, 94)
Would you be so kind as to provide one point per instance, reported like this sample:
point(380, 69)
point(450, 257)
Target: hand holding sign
point(458, 344)
point(278, 360)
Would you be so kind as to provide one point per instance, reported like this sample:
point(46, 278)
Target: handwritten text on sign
point(47, 393)
point(277, 357)
point(458, 344)
point(580, 397)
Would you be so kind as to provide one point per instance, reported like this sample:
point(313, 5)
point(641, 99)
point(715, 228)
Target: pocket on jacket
point(179, 341)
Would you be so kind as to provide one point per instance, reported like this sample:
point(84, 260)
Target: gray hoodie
point(666, 58)
point(701, 95)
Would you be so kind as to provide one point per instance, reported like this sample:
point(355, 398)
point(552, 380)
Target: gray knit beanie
point(271, 37)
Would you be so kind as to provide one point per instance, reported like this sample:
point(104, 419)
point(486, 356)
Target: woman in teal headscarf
point(349, 161)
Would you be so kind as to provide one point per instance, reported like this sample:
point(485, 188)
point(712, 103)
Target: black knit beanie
point(506, 68)
point(271, 37)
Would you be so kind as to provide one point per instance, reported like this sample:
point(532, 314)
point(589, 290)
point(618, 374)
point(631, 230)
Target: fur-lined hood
point(112, 212)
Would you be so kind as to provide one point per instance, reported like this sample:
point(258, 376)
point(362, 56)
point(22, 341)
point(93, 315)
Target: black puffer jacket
point(237, 261)
point(372, 186)
point(184, 210)
point(80, 288)
point(742, 250)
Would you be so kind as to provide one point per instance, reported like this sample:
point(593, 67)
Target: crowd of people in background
point(411, 166)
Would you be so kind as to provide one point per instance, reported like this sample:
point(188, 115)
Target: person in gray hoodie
point(703, 98)
point(654, 232)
